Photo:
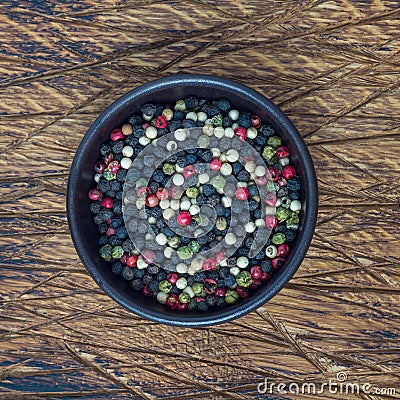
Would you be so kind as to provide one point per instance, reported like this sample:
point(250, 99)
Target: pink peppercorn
point(274, 173)
point(161, 122)
point(216, 164)
point(109, 158)
point(282, 181)
point(255, 121)
point(172, 301)
point(99, 167)
point(288, 172)
point(152, 200)
point(116, 134)
point(188, 171)
point(209, 264)
point(148, 256)
point(270, 199)
point(256, 283)
point(147, 291)
point(265, 276)
point(242, 193)
point(114, 166)
point(282, 151)
point(172, 277)
point(220, 292)
point(182, 306)
point(242, 292)
point(271, 221)
point(107, 202)
point(256, 272)
point(95, 194)
point(162, 193)
point(184, 218)
point(111, 231)
point(283, 250)
point(277, 262)
point(241, 132)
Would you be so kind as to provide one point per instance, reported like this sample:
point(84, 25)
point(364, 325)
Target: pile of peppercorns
point(180, 193)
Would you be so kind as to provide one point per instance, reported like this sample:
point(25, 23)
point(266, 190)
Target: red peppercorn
point(162, 193)
point(220, 292)
point(161, 122)
point(265, 276)
point(172, 301)
point(188, 171)
point(242, 292)
point(116, 134)
point(288, 172)
point(270, 199)
point(241, 132)
point(148, 256)
point(183, 306)
point(282, 151)
point(256, 272)
point(274, 173)
point(242, 193)
point(210, 286)
point(256, 283)
point(283, 250)
point(111, 231)
point(114, 166)
point(131, 261)
point(216, 164)
point(184, 218)
point(255, 121)
point(99, 167)
point(209, 264)
point(271, 221)
point(172, 277)
point(278, 262)
point(147, 291)
point(107, 202)
point(152, 200)
point(95, 194)
point(145, 125)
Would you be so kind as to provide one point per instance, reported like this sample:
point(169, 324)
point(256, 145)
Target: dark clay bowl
point(84, 230)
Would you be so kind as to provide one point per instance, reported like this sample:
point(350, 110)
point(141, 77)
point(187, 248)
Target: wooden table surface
point(332, 66)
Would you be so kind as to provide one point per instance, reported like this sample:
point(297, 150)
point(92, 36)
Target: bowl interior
point(84, 230)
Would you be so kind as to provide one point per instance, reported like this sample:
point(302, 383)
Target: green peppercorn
point(293, 220)
point(141, 182)
point(203, 141)
point(105, 252)
point(109, 175)
point(218, 182)
point(274, 141)
point(285, 202)
point(278, 238)
point(244, 279)
point(194, 246)
point(168, 169)
point(174, 241)
point(185, 252)
point(217, 120)
point(184, 298)
point(282, 214)
point(117, 252)
point(268, 152)
point(231, 296)
point(165, 286)
point(192, 192)
point(197, 288)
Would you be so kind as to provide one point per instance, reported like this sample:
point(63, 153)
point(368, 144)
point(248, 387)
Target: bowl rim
point(310, 215)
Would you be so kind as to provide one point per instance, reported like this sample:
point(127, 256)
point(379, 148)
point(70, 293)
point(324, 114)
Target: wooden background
point(333, 66)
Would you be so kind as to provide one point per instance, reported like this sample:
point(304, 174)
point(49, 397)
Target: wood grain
point(334, 68)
